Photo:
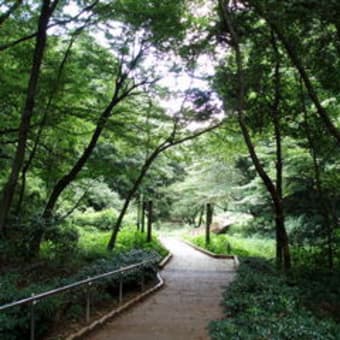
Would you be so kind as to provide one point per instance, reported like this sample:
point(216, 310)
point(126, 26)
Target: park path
point(181, 310)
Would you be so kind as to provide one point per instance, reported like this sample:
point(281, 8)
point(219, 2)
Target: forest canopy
point(96, 95)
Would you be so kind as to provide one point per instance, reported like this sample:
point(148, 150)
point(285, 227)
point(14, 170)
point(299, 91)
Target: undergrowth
point(263, 304)
point(232, 245)
point(90, 257)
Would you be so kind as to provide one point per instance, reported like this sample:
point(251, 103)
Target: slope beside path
point(183, 308)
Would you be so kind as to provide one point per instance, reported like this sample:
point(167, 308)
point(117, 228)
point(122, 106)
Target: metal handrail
point(73, 285)
point(34, 298)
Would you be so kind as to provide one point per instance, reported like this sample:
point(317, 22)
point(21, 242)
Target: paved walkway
point(183, 308)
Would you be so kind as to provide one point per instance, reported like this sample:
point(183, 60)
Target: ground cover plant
point(264, 304)
point(90, 258)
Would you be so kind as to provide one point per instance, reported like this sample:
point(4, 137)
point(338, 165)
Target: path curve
point(183, 308)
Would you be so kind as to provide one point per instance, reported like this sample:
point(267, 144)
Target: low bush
point(14, 323)
point(62, 240)
point(260, 304)
point(103, 220)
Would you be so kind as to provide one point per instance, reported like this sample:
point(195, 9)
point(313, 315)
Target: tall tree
point(297, 62)
point(47, 9)
point(172, 140)
point(275, 191)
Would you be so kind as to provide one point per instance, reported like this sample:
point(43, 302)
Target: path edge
point(214, 255)
point(99, 322)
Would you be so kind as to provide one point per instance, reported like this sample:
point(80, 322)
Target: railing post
point(120, 297)
point(32, 321)
point(88, 302)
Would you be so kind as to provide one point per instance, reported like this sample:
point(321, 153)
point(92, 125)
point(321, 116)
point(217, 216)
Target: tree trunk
point(11, 10)
point(143, 217)
point(282, 249)
point(208, 223)
point(200, 220)
point(138, 217)
point(168, 143)
point(295, 59)
point(43, 122)
point(322, 198)
point(282, 238)
point(10, 186)
point(149, 229)
point(130, 195)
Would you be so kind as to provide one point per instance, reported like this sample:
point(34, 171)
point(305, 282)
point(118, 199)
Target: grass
point(236, 245)
point(92, 244)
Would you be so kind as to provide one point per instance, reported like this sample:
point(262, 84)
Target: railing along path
point(86, 282)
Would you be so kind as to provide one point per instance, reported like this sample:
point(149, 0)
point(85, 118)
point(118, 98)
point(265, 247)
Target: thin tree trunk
point(295, 59)
point(65, 181)
point(10, 11)
point(283, 255)
point(317, 174)
point(208, 223)
point(43, 123)
point(168, 143)
point(143, 217)
point(58, 23)
point(282, 238)
point(8, 193)
point(150, 217)
point(130, 195)
point(200, 220)
point(138, 202)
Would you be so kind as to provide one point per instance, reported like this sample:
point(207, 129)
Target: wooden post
point(143, 216)
point(208, 222)
point(149, 230)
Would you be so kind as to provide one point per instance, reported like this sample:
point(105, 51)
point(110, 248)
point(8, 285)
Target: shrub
point(259, 304)
point(102, 220)
point(62, 240)
point(14, 323)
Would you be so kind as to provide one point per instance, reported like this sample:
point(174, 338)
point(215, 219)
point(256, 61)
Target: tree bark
point(130, 195)
point(143, 217)
point(10, 11)
point(282, 249)
point(8, 193)
point(120, 93)
point(150, 217)
point(35, 34)
point(319, 187)
point(296, 61)
point(200, 219)
point(43, 123)
point(168, 143)
point(208, 223)
point(283, 254)
point(139, 210)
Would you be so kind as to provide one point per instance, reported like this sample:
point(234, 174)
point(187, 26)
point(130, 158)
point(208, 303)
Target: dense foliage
point(223, 114)
point(262, 304)
point(15, 323)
